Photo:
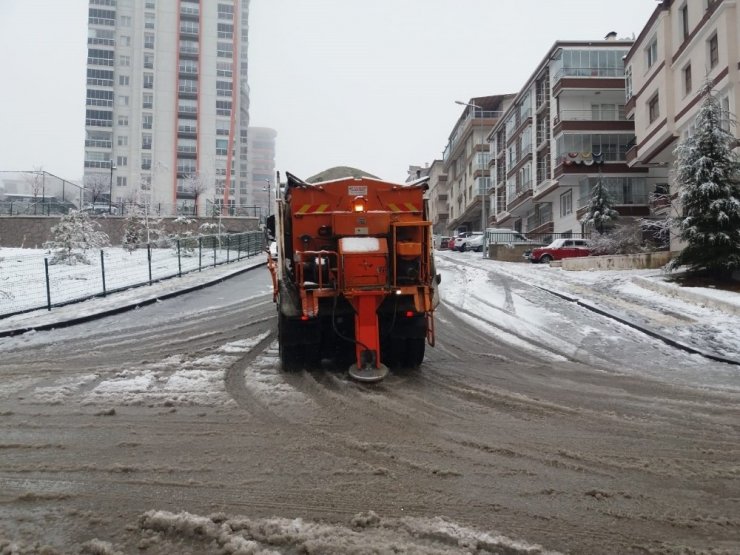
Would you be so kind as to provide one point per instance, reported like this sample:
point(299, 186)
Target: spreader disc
point(368, 373)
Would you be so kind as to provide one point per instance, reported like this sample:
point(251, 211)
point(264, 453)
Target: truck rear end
point(354, 275)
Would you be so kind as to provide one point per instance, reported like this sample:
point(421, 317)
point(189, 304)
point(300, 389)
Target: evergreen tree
point(73, 236)
point(707, 178)
point(600, 213)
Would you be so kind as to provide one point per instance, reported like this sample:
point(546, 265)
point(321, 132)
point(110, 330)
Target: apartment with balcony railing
point(466, 162)
point(167, 99)
point(566, 128)
point(683, 45)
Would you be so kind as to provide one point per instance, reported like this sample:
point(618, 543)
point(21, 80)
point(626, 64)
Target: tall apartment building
point(261, 168)
point(565, 130)
point(168, 102)
point(682, 45)
point(465, 160)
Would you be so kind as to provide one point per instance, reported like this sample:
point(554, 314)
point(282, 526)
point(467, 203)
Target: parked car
point(441, 242)
point(101, 209)
point(473, 242)
point(559, 249)
point(454, 242)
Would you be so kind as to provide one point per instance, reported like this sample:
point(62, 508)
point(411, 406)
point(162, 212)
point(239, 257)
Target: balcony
point(591, 120)
point(92, 143)
point(588, 78)
point(473, 117)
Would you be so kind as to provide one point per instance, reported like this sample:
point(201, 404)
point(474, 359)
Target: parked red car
point(559, 249)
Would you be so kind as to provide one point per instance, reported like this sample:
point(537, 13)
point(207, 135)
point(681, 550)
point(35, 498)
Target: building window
point(146, 161)
point(147, 101)
point(146, 121)
point(566, 203)
point(124, 21)
point(223, 88)
point(149, 21)
point(222, 146)
point(125, 40)
point(149, 40)
point(123, 121)
point(225, 11)
point(122, 140)
point(724, 121)
point(123, 80)
point(628, 83)
point(713, 51)
point(685, 22)
point(124, 61)
point(121, 180)
point(687, 79)
point(148, 80)
point(652, 52)
point(653, 108)
point(223, 107)
point(121, 161)
point(149, 61)
point(146, 182)
point(122, 100)
point(224, 50)
point(146, 141)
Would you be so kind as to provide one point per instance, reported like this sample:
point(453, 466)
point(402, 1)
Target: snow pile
point(366, 533)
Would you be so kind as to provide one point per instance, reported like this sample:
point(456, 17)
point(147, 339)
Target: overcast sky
point(369, 84)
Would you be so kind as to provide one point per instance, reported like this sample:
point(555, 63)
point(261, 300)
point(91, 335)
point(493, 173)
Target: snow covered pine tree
point(600, 213)
point(707, 174)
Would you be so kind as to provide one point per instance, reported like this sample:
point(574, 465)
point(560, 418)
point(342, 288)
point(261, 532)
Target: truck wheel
point(290, 355)
point(413, 355)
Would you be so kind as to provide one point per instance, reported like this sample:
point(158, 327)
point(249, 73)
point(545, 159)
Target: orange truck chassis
point(353, 274)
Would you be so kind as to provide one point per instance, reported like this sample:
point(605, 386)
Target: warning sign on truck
point(357, 190)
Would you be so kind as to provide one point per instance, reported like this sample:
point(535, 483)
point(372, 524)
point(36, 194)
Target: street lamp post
point(110, 190)
point(483, 199)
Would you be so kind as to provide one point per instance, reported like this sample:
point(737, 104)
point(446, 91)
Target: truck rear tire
point(413, 355)
point(290, 355)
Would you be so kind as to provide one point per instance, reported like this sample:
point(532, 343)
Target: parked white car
point(473, 242)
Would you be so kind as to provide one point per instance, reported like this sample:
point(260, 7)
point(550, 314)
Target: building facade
point(564, 131)
point(684, 45)
point(168, 102)
point(466, 161)
point(261, 178)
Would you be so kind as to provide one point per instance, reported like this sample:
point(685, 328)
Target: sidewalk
point(704, 321)
point(39, 320)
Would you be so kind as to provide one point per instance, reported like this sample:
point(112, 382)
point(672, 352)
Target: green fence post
point(48, 288)
point(179, 260)
point(200, 253)
point(102, 269)
point(149, 260)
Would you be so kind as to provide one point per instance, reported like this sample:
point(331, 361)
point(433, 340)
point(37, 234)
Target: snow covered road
point(533, 422)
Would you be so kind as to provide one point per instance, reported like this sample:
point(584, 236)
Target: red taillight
point(304, 317)
point(409, 314)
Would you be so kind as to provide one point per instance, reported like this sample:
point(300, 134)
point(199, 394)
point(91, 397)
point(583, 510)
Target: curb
point(641, 328)
point(131, 306)
point(690, 296)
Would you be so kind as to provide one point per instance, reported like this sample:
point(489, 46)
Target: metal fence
point(30, 280)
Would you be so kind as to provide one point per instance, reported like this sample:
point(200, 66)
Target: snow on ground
point(23, 274)
point(121, 298)
point(644, 296)
point(364, 533)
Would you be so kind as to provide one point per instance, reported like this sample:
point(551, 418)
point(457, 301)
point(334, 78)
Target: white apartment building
point(261, 177)
point(168, 102)
point(466, 162)
point(683, 45)
point(565, 130)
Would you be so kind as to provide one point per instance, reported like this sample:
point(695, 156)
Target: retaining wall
point(33, 231)
point(508, 253)
point(645, 261)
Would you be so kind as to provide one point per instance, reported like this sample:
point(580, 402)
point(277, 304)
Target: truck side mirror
point(438, 278)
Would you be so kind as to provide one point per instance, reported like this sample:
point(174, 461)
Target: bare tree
point(35, 182)
point(97, 184)
point(196, 184)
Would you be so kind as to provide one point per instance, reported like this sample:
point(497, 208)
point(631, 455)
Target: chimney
point(611, 35)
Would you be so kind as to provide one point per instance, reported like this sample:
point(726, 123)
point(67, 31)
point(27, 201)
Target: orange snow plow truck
point(353, 274)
